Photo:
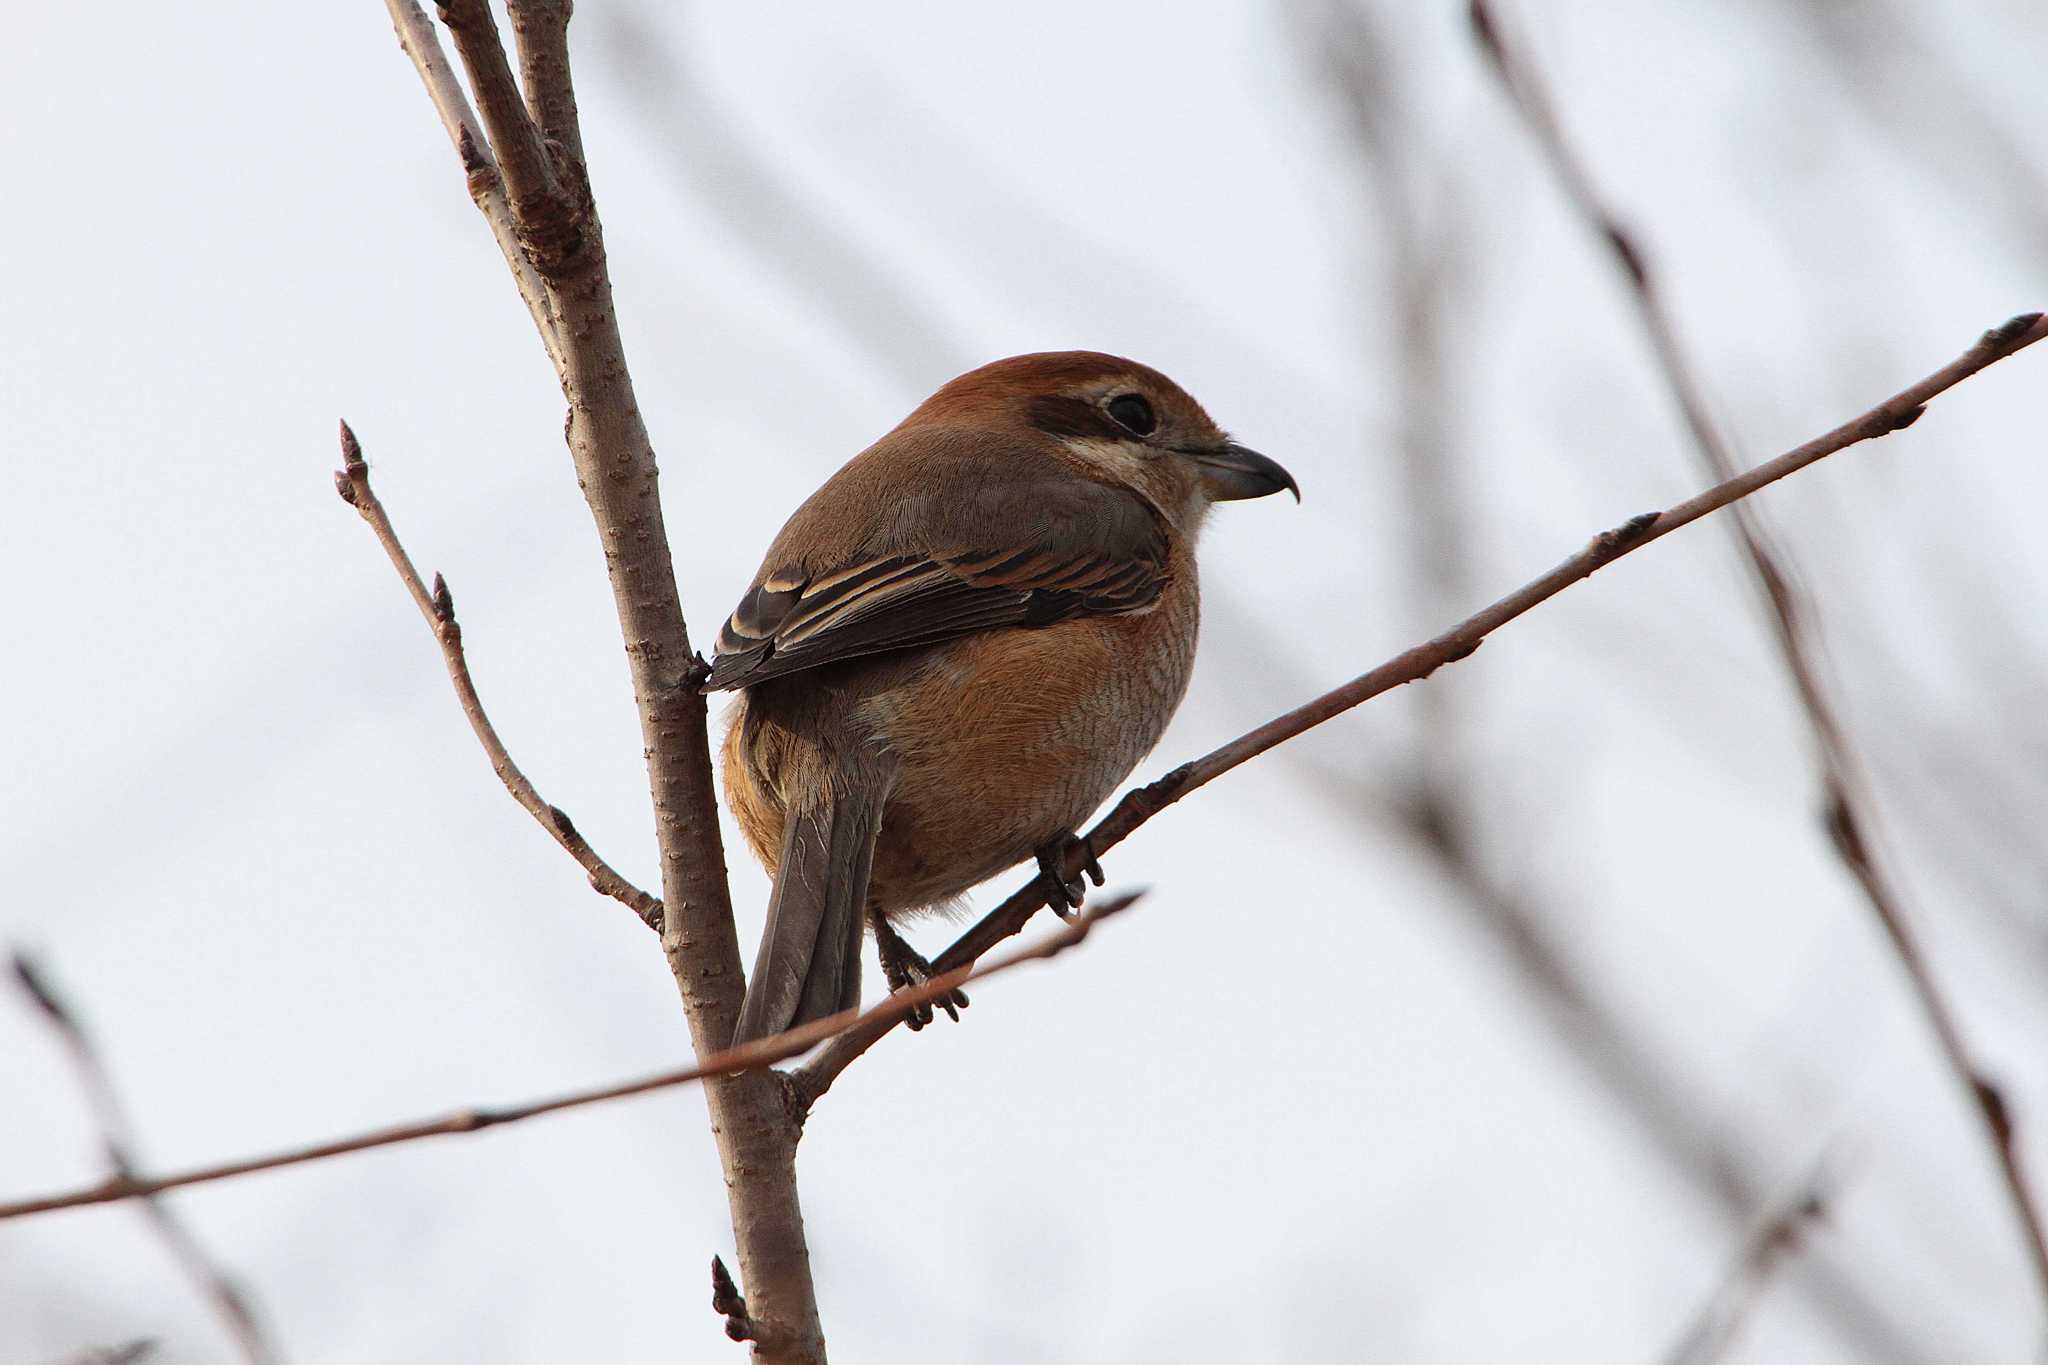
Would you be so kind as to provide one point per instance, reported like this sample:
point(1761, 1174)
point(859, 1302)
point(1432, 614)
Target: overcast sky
point(1306, 1104)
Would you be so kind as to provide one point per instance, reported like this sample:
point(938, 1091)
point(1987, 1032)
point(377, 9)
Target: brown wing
point(1070, 547)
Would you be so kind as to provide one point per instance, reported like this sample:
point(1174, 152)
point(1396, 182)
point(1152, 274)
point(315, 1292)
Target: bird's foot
point(696, 673)
point(906, 968)
point(1064, 897)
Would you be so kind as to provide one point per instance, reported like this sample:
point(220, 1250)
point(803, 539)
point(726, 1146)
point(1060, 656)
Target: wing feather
point(1110, 559)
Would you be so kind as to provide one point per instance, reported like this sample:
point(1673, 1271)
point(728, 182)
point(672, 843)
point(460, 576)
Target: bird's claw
point(1064, 897)
point(906, 968)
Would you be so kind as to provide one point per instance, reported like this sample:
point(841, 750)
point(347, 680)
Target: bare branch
point(562, 237)
point(752, 1057)
point(1845, 788)
point(437, 607)
point(1776, 1235)
point(128, 1353)
point(548, 215)
point(1460, 641)
point(540, 32)
point(1425, 235)
point(416, 35)
point(229, 1302)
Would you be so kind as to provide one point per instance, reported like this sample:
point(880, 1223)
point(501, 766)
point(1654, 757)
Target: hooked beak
point(1235, 472)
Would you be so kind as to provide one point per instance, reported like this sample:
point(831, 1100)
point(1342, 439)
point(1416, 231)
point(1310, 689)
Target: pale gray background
point(1304, 1106)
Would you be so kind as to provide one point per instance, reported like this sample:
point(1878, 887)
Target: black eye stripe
point(1058, 416)
point(1133, 413)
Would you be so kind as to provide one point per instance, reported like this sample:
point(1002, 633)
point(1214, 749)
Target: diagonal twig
point(1845, 788)
point(127, 1353)
point(1460, 641)
point(755, 1056)
point(229, 1301)
point(352, 481)
point(1776, 1235)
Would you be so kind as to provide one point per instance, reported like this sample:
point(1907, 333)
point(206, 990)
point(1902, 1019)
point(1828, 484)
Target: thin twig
point(437, 607)
point(755, 1056)
point(230, 1302)
point(1413, 665)
point(1776, 1235)
point(1845, 788)
point(422, 44)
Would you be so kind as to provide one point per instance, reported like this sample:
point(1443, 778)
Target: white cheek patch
point(1115, 458)
point(1121, 464)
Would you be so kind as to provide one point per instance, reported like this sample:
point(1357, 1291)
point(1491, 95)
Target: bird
point(956, 649)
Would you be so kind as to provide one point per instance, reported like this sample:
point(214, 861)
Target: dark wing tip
point(748, 636)
point(735, 669)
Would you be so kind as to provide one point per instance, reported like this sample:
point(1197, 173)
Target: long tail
point(809, 963)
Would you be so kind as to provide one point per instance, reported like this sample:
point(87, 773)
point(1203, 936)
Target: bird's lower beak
point(1235, 472)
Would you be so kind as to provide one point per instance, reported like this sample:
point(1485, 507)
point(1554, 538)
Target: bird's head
point(1117, 421)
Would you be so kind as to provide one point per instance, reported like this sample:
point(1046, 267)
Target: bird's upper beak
point(1234, 472)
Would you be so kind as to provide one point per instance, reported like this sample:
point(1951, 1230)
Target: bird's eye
point(1133, 413)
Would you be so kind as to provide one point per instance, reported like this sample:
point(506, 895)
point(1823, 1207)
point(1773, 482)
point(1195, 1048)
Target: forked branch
point(479, 168)
point(556, 242)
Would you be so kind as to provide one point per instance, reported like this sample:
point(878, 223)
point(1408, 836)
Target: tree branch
point(752, 1058)
point(1845, 788)
point(563, 239)
point(229, 1302)
point(1425, 237)
point(540, 31)
point(548, 216)
point(1460, 641)
point(437, 607)
point(1776, 1235)
point(486, 187)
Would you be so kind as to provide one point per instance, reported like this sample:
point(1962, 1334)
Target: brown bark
point(562, 242)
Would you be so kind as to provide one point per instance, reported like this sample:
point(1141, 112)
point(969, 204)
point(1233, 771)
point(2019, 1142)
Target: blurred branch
point(232, 1304)
point(1459, 642)
point(1428, 276)
point(752, 1058)
point(1776, 1235)
point(437, 608)
point(128, 1353)
point(557, 239)
point(1844, 788)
